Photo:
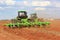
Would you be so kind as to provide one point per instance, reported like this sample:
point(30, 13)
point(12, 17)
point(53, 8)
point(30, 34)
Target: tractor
point(22, 20)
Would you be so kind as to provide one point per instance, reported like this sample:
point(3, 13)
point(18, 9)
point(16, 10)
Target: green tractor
point(22, 20)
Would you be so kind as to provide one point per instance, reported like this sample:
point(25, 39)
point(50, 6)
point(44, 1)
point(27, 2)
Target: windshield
point(22, 14)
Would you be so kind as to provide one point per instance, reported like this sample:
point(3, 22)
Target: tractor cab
point(22, 14)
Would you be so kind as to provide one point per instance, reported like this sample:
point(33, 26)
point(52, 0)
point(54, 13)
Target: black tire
point(9, 26)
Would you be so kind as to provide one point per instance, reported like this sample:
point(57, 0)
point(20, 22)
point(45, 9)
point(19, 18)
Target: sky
point(44, 8)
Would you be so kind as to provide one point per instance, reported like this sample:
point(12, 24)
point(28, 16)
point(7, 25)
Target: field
point(50, 33)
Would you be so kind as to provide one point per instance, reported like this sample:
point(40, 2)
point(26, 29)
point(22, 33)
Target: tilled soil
point(50, 33)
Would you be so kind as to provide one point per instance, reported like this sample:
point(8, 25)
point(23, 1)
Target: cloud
point(39, 8)
point(41, 3)
point(7, 2)
point(35, 3)
point(56, 4)
point(7, 7)
point(1, 1)
point(25, 2)
point(10, 2)
point(1, 8)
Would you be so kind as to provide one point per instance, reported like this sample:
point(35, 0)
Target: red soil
point(51, 33)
